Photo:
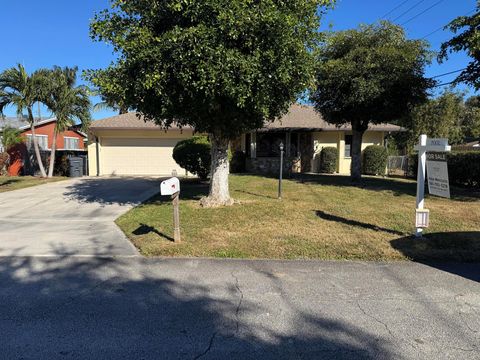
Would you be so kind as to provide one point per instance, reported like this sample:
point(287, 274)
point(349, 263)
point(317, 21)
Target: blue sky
point(56, 32)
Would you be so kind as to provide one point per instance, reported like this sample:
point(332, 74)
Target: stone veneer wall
point(270, 165)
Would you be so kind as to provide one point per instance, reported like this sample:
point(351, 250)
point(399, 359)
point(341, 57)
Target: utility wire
point(407, 11)
point(421, 13)
point(443, 27)
point(448, 73)
point(395, 8)
point(445, 84)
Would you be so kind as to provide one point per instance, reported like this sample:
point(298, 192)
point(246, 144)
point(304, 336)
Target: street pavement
point(71, 217)
point(77, 307)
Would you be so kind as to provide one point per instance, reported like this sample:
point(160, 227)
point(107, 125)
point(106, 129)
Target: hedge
point(193, 155)
point(463, 168)
point(238, 162)
point(375, 159)
point(328, 160)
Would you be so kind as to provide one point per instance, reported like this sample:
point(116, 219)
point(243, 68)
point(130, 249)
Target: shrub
point(375, 159)
point(328, 160)
point(237, 163)
point(193, 155)
point(4, 157)
point(464, 169)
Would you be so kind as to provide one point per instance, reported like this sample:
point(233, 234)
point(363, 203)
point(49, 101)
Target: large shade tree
point(23, 91)
point(467, 38)
point(69, 103)
point(221, 66)
point(369, 75)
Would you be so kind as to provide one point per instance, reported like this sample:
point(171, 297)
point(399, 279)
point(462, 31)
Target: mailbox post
point(172, 187)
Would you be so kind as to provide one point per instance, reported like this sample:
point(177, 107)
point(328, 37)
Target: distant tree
point(223, 67)
point(22, 91)
point(471, 119)
point(468, 40)
point(369, 75)
point(69, 103)
point(439, 117)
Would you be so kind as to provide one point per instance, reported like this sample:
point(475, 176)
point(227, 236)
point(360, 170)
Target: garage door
point(121, 156)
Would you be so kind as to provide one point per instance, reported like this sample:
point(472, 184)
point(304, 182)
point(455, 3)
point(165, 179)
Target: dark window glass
point(348, 146)
point(268, 144)
point(248, 140)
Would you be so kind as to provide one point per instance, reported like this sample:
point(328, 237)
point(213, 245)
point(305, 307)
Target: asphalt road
point(70, 217)
point(135, 308)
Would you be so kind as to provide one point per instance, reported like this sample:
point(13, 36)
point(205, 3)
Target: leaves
point(220, 66)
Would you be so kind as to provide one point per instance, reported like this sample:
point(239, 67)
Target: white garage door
point(128, 156)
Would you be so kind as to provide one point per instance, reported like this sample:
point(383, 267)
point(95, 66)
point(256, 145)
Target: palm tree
point(22, 91)
point(69, 104)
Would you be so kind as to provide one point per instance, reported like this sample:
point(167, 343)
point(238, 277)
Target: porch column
point(253, 145)
point(288, 142)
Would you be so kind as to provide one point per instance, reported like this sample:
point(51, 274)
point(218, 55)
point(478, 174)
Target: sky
point(56, 32)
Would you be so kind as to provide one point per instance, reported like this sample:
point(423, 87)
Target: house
point(127, 145)
point(71, 139)
point(22, 156)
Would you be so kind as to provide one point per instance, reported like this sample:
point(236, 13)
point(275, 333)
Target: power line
point(443, 27)
point(407, 11)
point(445, 84)
point(421, 13)
point(448, 73)
point(395, 8)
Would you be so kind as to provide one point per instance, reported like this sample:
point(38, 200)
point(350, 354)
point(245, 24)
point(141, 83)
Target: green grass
point(321, 217)
point(9, 183)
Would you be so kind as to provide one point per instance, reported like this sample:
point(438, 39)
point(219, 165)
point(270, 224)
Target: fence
point(30, 165)
point(397, 165)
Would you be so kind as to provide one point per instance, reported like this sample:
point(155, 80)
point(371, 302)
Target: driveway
point(72, 217)
point(136, 308)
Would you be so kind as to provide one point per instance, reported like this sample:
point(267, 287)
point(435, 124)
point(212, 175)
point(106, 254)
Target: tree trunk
point(35, 144)
point(219, 193)
point(52, 154)
point(356, 165)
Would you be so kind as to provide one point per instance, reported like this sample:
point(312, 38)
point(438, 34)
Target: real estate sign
point(437, 174)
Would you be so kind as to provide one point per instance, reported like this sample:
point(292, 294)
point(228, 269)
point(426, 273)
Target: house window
point(42, 141)
point(348, 146)
point(71, 143)
point(268, 143)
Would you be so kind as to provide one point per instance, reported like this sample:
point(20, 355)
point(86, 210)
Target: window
point(41, 139)
point(268, 144)
point(348, 146)
point(70, 143)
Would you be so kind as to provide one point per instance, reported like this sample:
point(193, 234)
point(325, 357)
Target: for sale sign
point(437, 174)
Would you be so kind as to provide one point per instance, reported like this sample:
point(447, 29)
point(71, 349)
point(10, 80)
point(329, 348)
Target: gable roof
point(304, 117)
point(130, 121)
point(299, 117)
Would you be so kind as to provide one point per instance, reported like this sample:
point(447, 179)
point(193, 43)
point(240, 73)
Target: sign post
point(432, 157)
point(281, 172)
point(172, 187)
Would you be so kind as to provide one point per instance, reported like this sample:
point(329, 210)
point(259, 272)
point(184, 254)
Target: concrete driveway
point(73, 217)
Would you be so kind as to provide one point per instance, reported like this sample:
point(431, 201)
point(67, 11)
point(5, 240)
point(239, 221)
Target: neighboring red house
point(70, 140)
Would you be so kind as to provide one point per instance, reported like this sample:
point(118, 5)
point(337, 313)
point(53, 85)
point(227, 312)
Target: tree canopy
point(369, 75)
point(221, 66)
point(466, 39)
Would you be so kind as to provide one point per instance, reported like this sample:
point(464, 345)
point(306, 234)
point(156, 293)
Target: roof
point(129, 121)
point(305, 117)
point(299, 117)
point(50, 120)
point(12, 122)
point(472, 144)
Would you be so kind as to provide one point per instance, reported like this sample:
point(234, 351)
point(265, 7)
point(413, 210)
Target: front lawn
point(8, 183)
point(320, 217)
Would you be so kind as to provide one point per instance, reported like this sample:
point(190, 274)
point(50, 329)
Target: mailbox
point(170, 186)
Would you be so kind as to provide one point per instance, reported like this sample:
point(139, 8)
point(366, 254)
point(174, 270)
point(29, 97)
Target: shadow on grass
point(8, 182)
point(325, 216)
point(440, 250)
point(129, 308)
point(144, 229)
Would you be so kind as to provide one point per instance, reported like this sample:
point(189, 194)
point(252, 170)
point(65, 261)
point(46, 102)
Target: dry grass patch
point(321, 217)
point(9, 183)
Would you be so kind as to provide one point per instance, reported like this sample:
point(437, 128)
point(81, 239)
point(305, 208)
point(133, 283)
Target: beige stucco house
point(126, 145)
